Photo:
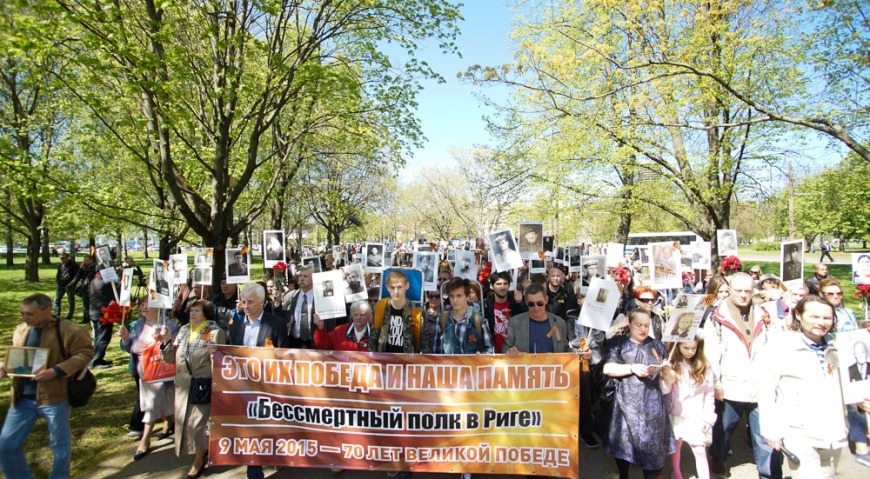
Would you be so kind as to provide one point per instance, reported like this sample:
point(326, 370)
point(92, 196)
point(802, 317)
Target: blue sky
point(450, 114)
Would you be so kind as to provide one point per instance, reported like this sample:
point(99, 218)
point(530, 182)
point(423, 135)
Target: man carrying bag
point(45, 394)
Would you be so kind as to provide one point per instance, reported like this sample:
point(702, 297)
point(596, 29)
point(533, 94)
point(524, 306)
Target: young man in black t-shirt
point(397, 325)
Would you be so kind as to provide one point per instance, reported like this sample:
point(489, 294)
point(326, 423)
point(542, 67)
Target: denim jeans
point(70, 297)
point(857, 425)
point(767, 461)
point(19, 423)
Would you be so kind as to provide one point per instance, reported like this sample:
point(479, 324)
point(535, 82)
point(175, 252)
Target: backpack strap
point(416, 321)
point(60, 340)
point(380, 309)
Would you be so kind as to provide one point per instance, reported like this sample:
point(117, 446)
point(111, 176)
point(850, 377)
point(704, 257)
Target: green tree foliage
point(599, 93)
point(216, 97)
point(32, 123)
point(830, 204)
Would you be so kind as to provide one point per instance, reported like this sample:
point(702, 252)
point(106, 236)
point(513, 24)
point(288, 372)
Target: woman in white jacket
point(799, 398)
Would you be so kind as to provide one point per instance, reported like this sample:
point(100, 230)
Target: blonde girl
point(689, 389)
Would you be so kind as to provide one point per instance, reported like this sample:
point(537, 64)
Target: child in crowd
point(689, 391)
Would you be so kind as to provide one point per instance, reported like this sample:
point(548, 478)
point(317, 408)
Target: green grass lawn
point(99, 429)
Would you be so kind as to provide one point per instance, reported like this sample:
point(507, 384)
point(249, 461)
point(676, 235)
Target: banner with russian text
point(395, 412)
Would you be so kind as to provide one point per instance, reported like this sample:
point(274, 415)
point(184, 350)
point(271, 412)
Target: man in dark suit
point(860, 371)
point(257, 328)
point(299, 311)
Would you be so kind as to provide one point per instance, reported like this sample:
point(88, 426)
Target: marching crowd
point(641, 398)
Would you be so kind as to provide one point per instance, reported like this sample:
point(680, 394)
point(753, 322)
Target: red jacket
point(338, 340)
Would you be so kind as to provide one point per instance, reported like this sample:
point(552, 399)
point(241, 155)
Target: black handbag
point(608, 390)
point(200, 389)
point(80, 387)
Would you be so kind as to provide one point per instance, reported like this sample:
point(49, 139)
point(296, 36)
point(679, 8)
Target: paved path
point(594, 464)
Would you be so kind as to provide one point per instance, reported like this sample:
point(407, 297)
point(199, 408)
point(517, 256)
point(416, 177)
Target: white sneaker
point(134, 434)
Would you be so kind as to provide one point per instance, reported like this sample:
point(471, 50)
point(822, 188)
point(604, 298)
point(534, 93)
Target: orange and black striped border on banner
point(395, 412)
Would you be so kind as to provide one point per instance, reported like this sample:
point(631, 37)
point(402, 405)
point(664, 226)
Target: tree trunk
point(145, 237)
point(31, 262)
point(10, 242)
point(219, 265)
point(46, 249)
point(167, 246)
point(121, 250)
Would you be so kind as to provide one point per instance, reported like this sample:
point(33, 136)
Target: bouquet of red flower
point(114, 313)
point(279, 275)
point(731, 264)
point(863, 293)
point(621, 275)
point(483, 274)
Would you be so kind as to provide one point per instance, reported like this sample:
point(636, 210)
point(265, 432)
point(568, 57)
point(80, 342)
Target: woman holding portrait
point(156, 399)
point(192, 351)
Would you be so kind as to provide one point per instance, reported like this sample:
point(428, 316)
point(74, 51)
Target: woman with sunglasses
point(640, 432)
point(844, 318)
point(645, 298)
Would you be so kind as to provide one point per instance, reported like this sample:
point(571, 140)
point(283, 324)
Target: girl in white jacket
point(689, 390)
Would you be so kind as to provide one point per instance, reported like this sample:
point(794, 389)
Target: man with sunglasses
point(537, 331)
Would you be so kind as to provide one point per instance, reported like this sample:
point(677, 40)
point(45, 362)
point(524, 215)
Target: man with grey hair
point(820, 272)
point(257, 328)
point(353, 336)
point(734, 337)
point(44, 393)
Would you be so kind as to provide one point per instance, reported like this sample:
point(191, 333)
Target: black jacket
point(489, 306)
point(66, 273)
point(560, 301)
point(271, 326)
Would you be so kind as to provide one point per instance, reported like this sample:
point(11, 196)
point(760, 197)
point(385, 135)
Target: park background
point(176, 124)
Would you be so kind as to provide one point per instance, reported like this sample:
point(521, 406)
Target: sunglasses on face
point(539, 304)
point(755, 272)
point(838, 294)
point(645, 300)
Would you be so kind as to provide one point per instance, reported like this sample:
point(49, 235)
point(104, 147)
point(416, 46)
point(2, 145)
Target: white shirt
point(297, 332)
point(252, 330)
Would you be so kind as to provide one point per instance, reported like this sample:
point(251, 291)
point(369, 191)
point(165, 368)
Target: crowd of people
point(641, 398)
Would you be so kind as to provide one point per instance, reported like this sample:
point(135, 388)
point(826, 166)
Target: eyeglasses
point(645, 300)
point(838, 294)
point(539, 304)
point(755, 272)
